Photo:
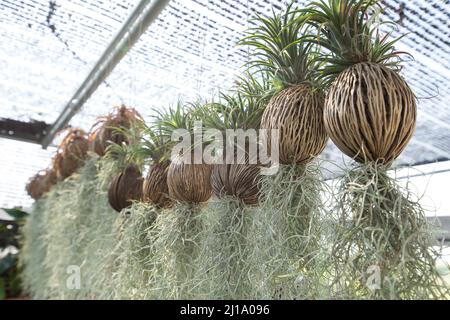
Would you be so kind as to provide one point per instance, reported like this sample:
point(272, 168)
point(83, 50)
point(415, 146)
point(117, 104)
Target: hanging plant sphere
point(33, 186)
point(49, 180)
point(71, 154)
point(370, 113)
point(155, 189)
point(297, 112)
point(189, 182)
point(41, 183)
point(239, 181)
point(125, 187)
point(105, 133)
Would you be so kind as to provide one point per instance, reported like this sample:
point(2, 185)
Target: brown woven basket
point(240, 181)
point(104, 131)
point(124, 188)
point(155, 188)
point(41, 183)
point(370, 113)
point(297, 112)
point(189, 183)
point(71, 154)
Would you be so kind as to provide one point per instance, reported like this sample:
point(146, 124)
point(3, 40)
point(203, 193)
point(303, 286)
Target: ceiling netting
point(48, 48)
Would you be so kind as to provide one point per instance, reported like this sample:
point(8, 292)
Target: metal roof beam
point(137, 23)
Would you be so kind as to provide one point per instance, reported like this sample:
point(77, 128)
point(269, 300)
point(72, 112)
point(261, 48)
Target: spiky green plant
point(232, 111)
point(124, 154)
point(156, 148)
point(348, 30)
point(280, 50)
point(362, 70)
point(155, 145)
point(256, 84)
point(180, 116)
point(187, 177)
point(242, 107)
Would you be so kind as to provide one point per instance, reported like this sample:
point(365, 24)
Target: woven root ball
point(155, 189)
point(297, 112)
point(189, 183)
point(240, 181)
point(71, 154)
point(41, 183)
point(124, 188)
point(33, 187)
point(103, 133)
point(49, 180)
point(370, 113)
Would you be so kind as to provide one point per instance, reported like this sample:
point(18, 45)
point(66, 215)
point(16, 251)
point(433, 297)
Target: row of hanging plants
point(227, 231)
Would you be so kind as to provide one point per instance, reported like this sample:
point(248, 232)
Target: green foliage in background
point(10, 284)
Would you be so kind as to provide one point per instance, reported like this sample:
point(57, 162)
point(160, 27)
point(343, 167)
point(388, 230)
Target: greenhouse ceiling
point(48, 48)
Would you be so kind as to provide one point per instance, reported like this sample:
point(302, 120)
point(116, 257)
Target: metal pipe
point(137, 23)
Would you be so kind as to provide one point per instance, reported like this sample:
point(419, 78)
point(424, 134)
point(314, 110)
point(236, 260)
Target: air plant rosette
point(287, 227)
point(381, 248)
point(188, 176)
point(236, 119)
point(178, 229)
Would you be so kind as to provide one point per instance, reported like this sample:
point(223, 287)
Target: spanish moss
point(383, 246)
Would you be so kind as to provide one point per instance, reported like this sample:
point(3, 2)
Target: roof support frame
point(137, 23)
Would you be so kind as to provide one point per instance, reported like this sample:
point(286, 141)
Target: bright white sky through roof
point(18, 162)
